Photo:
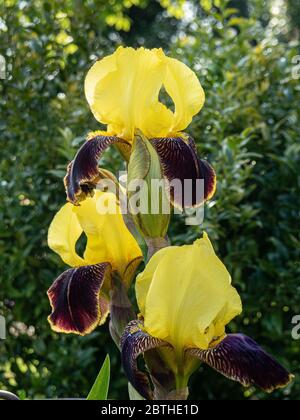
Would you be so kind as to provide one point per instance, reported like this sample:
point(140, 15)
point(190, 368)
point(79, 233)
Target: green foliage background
point(249, 129)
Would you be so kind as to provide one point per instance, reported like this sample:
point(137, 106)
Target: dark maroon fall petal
point(77, 306)
point(180, 161)
point(83, 172)
point(135, 342)
point(241, 359)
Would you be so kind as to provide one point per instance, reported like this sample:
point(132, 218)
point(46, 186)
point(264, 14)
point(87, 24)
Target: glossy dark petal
point(241, 359)
point(83, 172)
point(135, 342)
point(180, 161)
point(77, 306)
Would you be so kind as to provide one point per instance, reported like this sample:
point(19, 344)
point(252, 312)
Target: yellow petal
point(143, 280)
point(123, 92)
point(227, 313)
point(184, 88)
point(108, 239)
point(123, 89)
point(189, 296)
point(63, 234)
point(95, 75)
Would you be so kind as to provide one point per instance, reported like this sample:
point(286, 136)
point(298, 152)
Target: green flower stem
point(121, 312)
point(181, 381)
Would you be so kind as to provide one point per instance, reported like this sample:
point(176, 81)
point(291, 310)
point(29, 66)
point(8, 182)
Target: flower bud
point(148, 201)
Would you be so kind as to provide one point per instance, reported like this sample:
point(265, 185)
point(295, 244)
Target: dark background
point(249, 129)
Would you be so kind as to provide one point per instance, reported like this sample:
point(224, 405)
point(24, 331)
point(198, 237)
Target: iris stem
point(181, 381)
point(121, 311)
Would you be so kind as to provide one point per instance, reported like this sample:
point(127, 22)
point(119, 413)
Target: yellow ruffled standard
point(185, 296)
point(123, 92)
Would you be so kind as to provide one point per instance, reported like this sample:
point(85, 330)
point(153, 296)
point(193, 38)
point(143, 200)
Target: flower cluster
point(185, 293)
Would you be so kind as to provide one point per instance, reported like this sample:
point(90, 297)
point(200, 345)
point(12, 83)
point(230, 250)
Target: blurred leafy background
point(246, 54)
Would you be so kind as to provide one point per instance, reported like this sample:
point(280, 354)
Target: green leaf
point(99, 390)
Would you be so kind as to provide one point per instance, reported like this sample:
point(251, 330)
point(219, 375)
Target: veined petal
point(77, 306)
point(241, 359)
point(180, 162)
point(83, 172)
point(108, 238)
point(63, 234)
point(135, 342)
point(189, 290)
point(184, 88)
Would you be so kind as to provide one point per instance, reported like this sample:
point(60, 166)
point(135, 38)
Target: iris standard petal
point(83, 172)
point(126, 96)
point(63, 234)
point(144, 279)
point(123, 92)
point(77, 306)
point(108, 238)
point(188, 291)
point(184, 88)
point(180, 162)
point(241, 359)
point(135, 342)
point(95, 75)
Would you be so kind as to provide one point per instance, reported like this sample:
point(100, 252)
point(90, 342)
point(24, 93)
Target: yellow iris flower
point(123, 91)
point(108, 238)
point(186, 300)
point(185, 296)
point(126, 91)
point(78, 295)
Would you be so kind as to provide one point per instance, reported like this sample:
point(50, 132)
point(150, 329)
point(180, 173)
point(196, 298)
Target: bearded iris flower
point(80, 296)
point(186, 299)
point(185, 294)
point(123, 92)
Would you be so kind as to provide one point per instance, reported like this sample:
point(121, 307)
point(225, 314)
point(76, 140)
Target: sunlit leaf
point(99, 390)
